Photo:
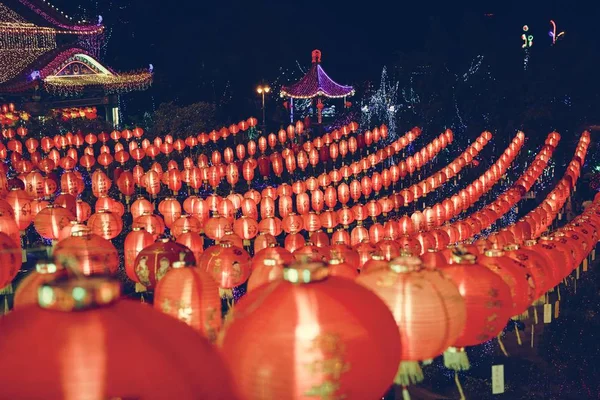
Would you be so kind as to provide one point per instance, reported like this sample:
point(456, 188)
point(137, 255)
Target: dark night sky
point(192, 43)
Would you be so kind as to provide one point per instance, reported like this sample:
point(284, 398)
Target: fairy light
point(382, 106)
point(69, 85)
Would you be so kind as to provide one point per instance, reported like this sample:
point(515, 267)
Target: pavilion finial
point(316, 56)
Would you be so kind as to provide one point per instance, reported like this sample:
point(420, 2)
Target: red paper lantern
point(50, 221)
point(88, 253)
point(191, 296)
point(487, 299)
point(427, 306)
point(345, 333)
point(89, 314)
point(154, 261)
point(228, 265)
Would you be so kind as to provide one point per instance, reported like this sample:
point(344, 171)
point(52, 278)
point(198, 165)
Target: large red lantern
point(326, 333)
point(428, 309)
point(90, 331)
point(487, 298)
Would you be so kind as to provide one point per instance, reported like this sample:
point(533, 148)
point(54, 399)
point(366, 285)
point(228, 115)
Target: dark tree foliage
point(183, 120)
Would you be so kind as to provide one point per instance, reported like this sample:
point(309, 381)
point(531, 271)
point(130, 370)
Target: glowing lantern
point(228, 265)
point(487, 300)
point(105, 224)
point(110, 331)
point(334, 298)
point(88, 253)
point(51, 220)
point(191, 296)
point(20, 202)
point(425, 304)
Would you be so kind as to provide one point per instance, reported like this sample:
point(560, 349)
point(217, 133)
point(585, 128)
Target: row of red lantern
point(484, 218)
point(78, 139)
point(151, 149)
point(34, 182)
point(537, 221)
point(452, 206)
point(88, 159)
point(214, 175)
point(171, 210)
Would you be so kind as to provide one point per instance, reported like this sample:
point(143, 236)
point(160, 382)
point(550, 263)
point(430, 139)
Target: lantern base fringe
point(459, 386)
point(518, 335)
point(139, 288)
point(405, 394)
point(456, 359)
point(539, 301)
point(6, 307)
point(524, 316)
point(409, 372)
point(8, 289)
point(226, 293)
point(501, 344)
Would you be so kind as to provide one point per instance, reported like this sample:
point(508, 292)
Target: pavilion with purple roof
point(316, 84)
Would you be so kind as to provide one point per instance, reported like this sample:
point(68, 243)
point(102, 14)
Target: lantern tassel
point(518, 335)
point(139, 288)
point(558, 292)
point(142, 300)
point(405, 394)
point(8, 289)
point(6, 307)
point(499, 337)
point(535, 315)
point(532, 334)
point(456, 359)
point(409, 372)
point(459, 386)
point(226, 293)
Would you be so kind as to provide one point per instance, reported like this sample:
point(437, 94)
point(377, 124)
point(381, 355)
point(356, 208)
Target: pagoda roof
point(315, 83)
point(71, 71)
point(43, 14)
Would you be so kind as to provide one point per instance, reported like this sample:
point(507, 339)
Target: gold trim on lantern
point(78, 294)
point(45, 267)
point(404, 264)
point(305, 272)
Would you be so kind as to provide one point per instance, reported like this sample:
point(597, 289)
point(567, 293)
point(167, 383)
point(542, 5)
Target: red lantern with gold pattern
point(110, 330)
point(135, 241)
point(426, 305)
point(154, 261)
point(228, 265)
point(190, 295)
point(343, 325)
point(487, 299)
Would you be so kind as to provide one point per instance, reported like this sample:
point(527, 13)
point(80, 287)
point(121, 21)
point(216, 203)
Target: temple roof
point(71, 71)
point(43, 48)
point(316, 83)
